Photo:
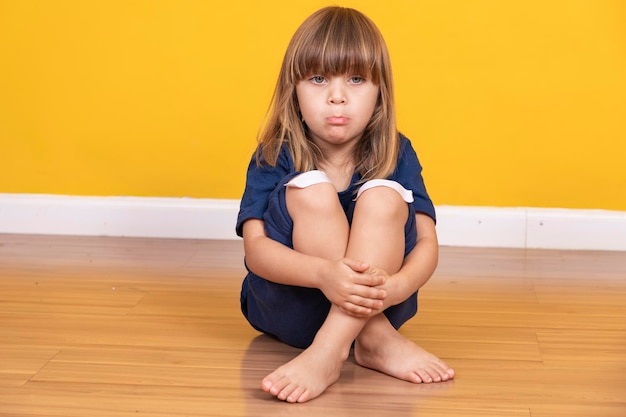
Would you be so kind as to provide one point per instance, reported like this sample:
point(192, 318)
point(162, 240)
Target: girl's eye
point(318, 79)
point(357, 80)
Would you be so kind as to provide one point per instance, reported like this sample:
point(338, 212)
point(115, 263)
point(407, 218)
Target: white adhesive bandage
point(308, 178)
point(406, 195)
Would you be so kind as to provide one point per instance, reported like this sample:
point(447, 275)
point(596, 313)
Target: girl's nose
point(337, 94)
point(337, 99)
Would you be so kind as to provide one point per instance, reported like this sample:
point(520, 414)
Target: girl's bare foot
point(387, 351)
point(306, 376)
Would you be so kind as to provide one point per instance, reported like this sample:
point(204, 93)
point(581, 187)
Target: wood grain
point(152, 327)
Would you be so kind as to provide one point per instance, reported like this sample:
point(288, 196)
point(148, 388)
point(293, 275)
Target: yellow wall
point(509, 103)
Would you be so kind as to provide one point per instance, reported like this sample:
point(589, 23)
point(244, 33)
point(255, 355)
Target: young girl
point(338, 229)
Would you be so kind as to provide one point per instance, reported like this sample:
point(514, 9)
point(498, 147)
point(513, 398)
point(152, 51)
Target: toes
point(441, 374)
point(424, 376)
point(434, 373)
point(440, 371)
point(274, 387)
point(266, 385)
point(438, 374)
point(286, 392)
point(305, 396)
point(295, 395)
point(446, 373)
point(414, 378)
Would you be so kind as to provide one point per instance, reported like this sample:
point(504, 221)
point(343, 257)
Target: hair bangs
point(340, 43)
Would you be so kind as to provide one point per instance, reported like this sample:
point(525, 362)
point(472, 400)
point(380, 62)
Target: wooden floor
point(147, 327)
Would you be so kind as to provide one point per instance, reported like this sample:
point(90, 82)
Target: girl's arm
point(344, 282)
point(276, 262)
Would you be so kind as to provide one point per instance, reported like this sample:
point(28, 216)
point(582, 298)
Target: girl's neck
point(339, 168)
point(339, 157)
point(340, 162)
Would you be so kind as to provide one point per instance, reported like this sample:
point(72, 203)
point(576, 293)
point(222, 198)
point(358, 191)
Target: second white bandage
point(406, 195)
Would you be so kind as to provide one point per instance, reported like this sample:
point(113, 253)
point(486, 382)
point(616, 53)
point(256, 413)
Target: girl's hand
point(351, 285)
point(388, 286)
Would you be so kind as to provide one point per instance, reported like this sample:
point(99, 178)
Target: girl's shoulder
point(404, 141)
point(406, 147)
point(408, 161)
point(284, 161)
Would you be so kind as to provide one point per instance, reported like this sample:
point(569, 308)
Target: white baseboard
point(118, 216)
point(536, 228)
point(215, 219)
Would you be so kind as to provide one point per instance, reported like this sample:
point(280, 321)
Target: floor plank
point(152, 327)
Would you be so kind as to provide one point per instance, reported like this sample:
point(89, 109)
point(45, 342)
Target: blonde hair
point(333, 41)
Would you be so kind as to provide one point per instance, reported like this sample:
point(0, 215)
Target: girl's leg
point(377, 233)
point(320, 228)
point(290, 313)
point(379, 346)
point(378, 236)
point(315, 211)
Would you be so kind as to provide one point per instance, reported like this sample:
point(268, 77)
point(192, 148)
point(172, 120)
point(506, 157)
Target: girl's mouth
point(337, 120)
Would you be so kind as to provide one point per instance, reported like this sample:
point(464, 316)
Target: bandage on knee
point(406, 195)
point(308, 178)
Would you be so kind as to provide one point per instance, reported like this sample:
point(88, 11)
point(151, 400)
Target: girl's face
point(337, 108)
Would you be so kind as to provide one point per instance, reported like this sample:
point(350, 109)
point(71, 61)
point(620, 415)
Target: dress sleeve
point(409, 174)
point(261, 180)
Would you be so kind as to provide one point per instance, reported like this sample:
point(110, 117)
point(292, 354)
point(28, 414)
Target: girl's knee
point(385, 198)
point(312, 190)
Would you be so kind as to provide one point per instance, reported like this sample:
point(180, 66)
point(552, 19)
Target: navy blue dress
point(295, 314)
